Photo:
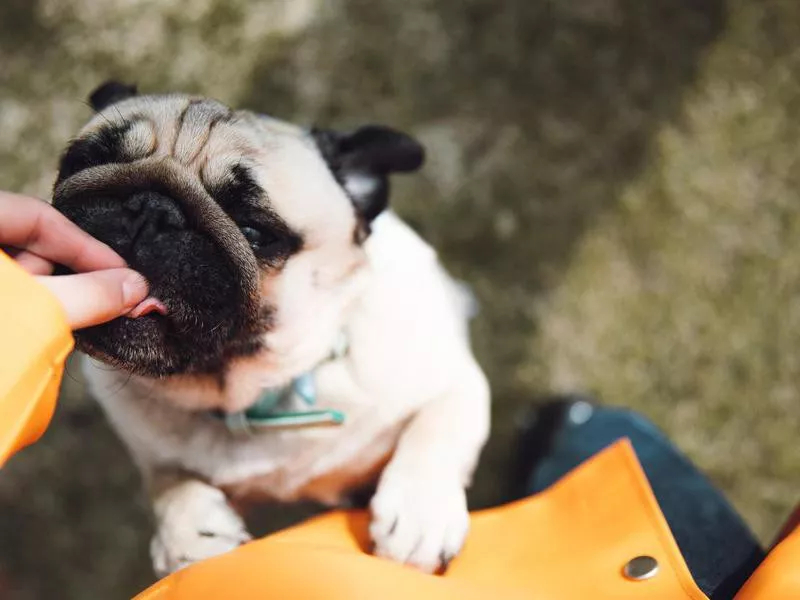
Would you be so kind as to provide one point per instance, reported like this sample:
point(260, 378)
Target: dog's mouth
point(203, 308)
point(148, 306)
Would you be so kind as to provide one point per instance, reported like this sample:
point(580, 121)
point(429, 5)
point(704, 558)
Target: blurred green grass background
point(617, 180)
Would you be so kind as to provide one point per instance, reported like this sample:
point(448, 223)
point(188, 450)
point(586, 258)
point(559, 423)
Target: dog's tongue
point(147, 306)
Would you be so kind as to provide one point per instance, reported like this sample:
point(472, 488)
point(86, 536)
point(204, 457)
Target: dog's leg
point(193, 521)
point(419, 512)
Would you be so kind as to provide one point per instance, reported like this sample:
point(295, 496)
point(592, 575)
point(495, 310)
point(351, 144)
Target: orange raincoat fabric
point(570, 542)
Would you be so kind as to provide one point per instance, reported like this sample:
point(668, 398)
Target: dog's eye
point(259, 240)
point(253, 236)
point(270, 245)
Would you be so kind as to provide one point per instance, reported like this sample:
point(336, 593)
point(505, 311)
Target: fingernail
point(134, 289)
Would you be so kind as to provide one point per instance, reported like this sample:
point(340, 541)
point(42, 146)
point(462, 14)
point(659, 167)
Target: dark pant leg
point(719, 549)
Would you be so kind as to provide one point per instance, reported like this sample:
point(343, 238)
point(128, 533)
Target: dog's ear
point(362, 160)
point(109, 93)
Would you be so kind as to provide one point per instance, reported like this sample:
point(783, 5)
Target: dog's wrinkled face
point(248, 229)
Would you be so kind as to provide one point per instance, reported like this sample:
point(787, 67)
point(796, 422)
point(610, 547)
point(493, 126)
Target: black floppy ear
point(362, 160)
point(109, 93)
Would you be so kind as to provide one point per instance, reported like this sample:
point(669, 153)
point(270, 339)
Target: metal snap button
point(580, 412)
point(641, 568)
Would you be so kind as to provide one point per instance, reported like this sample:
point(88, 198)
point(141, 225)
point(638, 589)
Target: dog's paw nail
point(420, 524)
point(196, 529)
point(444, 562)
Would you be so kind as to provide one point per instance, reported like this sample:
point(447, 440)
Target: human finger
point(33, 225)
point(33, 263)
point(96, 297)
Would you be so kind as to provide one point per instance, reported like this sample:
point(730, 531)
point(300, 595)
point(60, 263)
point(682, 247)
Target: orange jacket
point(570, 542)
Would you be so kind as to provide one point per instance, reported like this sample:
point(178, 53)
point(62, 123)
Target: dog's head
point(249, 230)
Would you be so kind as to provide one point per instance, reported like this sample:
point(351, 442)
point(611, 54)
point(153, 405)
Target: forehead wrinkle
point(161, 112)
point(179, 128)
point(201, 154)
point(200, 123)
point(140, 140)
point(226, 146)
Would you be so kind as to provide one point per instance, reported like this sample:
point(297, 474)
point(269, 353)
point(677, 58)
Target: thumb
point(96, 297)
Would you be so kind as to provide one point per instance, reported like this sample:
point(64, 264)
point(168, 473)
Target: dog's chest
point(326, 473)
point(315, 462)
point(319, 463)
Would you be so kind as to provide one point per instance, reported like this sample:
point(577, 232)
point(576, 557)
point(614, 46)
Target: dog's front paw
point(195, 522)
point(419, 521)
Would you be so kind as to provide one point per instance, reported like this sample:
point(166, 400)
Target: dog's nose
point(152, 214)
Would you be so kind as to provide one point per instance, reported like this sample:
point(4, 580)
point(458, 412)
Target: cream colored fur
point(414, 397)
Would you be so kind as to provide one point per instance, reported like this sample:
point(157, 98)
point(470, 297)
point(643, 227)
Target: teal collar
point(290, 406)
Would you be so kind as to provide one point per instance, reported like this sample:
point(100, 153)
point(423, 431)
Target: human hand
point(38, 237)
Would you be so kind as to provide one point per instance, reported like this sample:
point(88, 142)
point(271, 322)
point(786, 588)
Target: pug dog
point(299, 342)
